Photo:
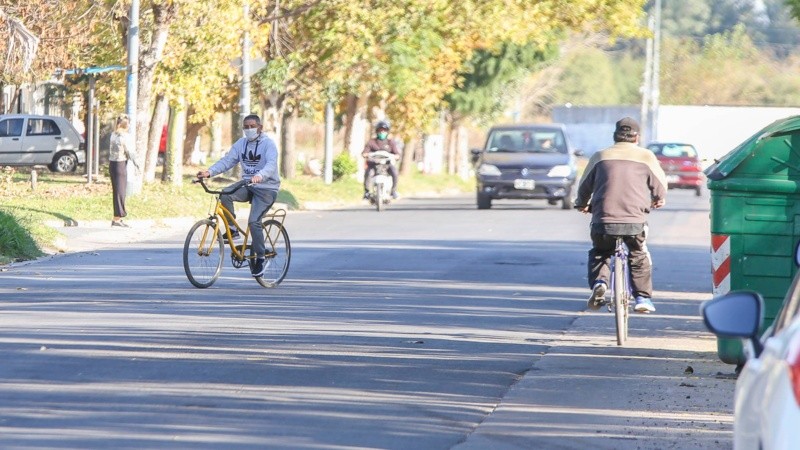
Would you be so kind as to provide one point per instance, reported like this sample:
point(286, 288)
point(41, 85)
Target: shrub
point(344, 165)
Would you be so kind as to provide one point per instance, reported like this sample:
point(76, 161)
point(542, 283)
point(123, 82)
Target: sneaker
point(119, 223)
point(366, 196)
point(394, 195)
point(598, 297)
point(258, 267)
point(644, 305)
point(234, 233)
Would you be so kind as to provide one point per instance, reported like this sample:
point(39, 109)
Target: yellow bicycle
point(204, 248)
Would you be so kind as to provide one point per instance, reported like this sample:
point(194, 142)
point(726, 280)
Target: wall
point(713, 130)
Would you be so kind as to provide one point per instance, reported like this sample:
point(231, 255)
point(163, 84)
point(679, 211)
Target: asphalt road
point(431, 325)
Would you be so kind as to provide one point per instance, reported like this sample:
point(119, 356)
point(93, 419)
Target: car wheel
point(64, 162)
point(567, 202)
point(484, 201)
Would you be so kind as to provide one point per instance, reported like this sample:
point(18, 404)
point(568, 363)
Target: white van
point(32, 140)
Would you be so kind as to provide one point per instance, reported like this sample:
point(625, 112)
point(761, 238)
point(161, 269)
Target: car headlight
point(560, 172)
point(488, 170)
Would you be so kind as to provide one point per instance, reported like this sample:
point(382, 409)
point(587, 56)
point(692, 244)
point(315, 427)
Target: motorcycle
point(381, 186)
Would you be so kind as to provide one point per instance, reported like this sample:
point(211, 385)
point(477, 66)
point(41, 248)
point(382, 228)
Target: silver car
point(33, 140)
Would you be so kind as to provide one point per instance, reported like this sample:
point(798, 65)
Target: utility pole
point(132, 92)
point(329, 142)
point(656, 72)
point(244, 93)
point(644, 114)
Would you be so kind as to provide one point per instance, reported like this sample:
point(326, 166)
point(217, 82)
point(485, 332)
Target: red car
point(681, 165)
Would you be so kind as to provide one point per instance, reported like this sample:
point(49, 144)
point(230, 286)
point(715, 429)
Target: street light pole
point(656, 71)
point(244, 94)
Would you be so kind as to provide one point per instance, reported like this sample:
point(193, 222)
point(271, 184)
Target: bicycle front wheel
point(620, 305)
point(278, 254)
point(203, 253)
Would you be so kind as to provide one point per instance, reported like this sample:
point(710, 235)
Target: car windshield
point(527, 140)
point(674, 150)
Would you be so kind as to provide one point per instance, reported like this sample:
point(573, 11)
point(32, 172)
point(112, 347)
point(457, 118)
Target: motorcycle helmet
point(382, 125)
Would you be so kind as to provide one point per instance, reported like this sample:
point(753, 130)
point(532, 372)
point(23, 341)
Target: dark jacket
point(621, 183)
point(375, 144)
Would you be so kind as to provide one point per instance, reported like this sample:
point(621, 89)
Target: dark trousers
point(638, 258)
point(119, 179)
point(370, 175)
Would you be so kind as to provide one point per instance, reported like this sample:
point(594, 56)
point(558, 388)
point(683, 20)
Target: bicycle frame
point(621, 257)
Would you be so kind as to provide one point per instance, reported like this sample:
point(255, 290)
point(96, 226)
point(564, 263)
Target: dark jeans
point(370, 175)
point(261, 201)
point(638, 257)
point(118, 170)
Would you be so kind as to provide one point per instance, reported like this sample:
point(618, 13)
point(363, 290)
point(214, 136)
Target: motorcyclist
point(380, 142)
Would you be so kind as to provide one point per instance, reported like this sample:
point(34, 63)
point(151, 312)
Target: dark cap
point(627, 125)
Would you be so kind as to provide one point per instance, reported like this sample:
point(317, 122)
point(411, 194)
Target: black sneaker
point(257, 267)
point(366, 196)
point(234, 233)
point(598, 297)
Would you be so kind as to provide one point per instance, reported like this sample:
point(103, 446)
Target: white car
point(32, 140)
point(767, 398)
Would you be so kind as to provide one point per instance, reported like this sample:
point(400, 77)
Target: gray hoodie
point(259, 156)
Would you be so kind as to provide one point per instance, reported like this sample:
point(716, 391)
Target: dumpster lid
point(724, 166)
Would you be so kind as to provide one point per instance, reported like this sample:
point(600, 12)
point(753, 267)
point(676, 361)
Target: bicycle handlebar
point(228, 190)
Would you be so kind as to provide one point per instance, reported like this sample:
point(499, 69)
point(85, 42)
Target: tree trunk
point(216, 138)
point(163, 14)
point(173, 164)
point(160, 114)
point(192, 132)
point(350, 110)
point(451, 150)
point(407, 165)
point(288, 158)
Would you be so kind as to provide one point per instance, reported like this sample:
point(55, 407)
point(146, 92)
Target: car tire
point(567, 202)
point(484, 201)
point(64, 162)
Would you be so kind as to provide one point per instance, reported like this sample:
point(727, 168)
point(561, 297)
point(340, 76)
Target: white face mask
point(251, 133)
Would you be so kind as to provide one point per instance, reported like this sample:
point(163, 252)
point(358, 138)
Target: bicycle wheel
point(203, 253)
point(620, 305)
point(279, 253)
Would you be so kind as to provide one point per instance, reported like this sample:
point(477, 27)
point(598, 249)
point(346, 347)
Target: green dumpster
point(755, 220)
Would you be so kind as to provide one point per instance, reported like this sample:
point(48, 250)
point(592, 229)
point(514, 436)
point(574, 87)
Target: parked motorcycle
point(381, 188)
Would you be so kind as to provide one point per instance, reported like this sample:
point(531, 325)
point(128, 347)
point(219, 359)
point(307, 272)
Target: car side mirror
point(476, 153)
point(738, 314)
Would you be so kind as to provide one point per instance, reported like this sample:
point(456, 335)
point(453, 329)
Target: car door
point(42, 140)
point(11, 140)
point(754, 385)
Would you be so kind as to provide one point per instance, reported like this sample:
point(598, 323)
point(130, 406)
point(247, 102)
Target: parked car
point(527, 161)
point(32, 140)
point(767, 397)
point(681, 164)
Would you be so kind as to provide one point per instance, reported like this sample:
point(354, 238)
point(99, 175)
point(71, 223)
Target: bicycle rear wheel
point(203, 253)
point(620, 303)
point(278, 254)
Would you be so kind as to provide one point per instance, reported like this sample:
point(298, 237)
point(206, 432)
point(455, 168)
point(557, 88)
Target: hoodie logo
point(251, 158)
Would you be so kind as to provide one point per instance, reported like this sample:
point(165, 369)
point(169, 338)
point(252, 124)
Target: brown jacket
point(621, 182)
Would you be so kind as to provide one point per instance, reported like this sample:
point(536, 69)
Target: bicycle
point(204, 249)
point(621, 291)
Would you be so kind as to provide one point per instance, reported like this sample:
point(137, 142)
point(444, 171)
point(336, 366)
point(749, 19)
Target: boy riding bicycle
point(258, 157)
point(619, 187)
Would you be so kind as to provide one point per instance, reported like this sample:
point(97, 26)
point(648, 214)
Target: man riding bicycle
point(258, 157)
point(619, 187)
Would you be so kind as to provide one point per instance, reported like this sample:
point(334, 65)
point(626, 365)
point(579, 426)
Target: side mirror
point(476, 153)
point(578, 152)
point(738, 314)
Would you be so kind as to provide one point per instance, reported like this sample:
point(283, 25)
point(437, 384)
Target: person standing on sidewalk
point(619, 186)
point(122, 151)
point(258, 156)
